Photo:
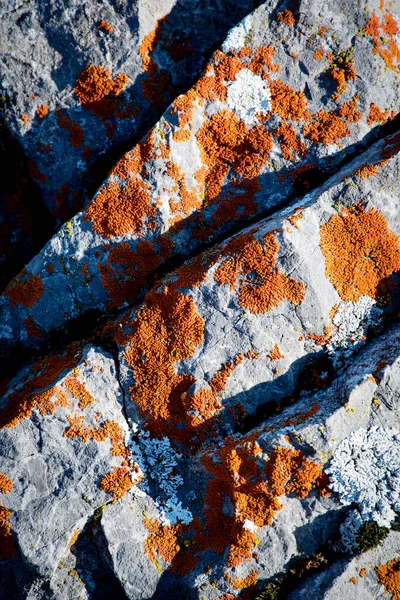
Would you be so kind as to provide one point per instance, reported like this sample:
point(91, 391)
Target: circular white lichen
point(365, 469)
point(236, 38)
point(248, 95)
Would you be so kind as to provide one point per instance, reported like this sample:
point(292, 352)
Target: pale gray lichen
point(159, 463)
point(237, 35)
point(351, 321)
point(248, 95)
point(365, 470)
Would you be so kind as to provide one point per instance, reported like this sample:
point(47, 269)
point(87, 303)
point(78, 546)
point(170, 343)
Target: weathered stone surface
point(319, 85)
point(218, 431)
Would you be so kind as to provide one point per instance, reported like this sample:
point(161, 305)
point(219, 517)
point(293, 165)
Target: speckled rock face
point(203, 396)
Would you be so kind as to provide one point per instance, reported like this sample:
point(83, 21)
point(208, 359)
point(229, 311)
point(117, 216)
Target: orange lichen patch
point(34, 172)
point(40, 392)
point(32, 328)
point(78, 391)
point(389, 24)
point(251, 354)
point(342, 71)
point(162, 541)
point(25, 119)
point(109, 430)
point(286, 16)
point(252, 489)
point(376, 115)
point(353, 580)
point(25, 289)
point(360, 251)
point(7, 544)
point(319, 54)
point(167, 329)
point(96, 90)
point(76, 135)
point(133, 163)
point(267, 286)
point(104, 26)
point(226, 145)
point(262, 61)
point(288, 103)
point(42, 111)
point(6, 485)
point(118, 210)
point(74, 538)
point(363, 572)
point(320, 340)
point(118, 482)
point(372, 27)
point(294, 421)
point(369, 170)
point(389, 576)
point(327, 128)
point(275, 353)
point(245, 582)
point(291, 145)
point(348, 110)
point(184, 105)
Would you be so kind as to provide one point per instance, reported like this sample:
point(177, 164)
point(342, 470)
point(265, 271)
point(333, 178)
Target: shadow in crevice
point(92, 566)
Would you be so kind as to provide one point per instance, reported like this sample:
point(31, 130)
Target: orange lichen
point(369, 170)
point(378, 31)
point(25, 289)
point(74, 538)
point(319, 54)
point(286, 16)
point(78, 391)
point(275, 353)
point(296, 216)
point(353, 580)
point(118, 210)
point(288, 103)
point(291, 145)
point(227, 145)
point(25, 119)
point(104, 26)
point(8, 546)
point(246, 582)
point(162, 541)
point(188, 200)
point(118, 482)
point(343, 71)
point(326, 128)
point(96, 90)
point(363, 571)
point(268, 286)
point(389, 576)
point(76, 135)
point(261, 63)
point(6, 485)
point(109, 430)
point(40, 392)
point(376, 115)
point(42, 111)
point(253, 489)
point(360, 251)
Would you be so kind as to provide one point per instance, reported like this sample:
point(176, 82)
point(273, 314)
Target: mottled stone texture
point(201, 396)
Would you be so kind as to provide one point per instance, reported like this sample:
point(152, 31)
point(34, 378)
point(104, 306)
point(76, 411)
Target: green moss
point(370, 535)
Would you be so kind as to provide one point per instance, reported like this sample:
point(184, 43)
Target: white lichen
point(160, 464)
point(351, 321)
point(365, 470)
point(248, 95)
point(236, 37)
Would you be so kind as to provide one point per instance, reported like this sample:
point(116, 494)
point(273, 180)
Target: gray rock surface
point(215, 423)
